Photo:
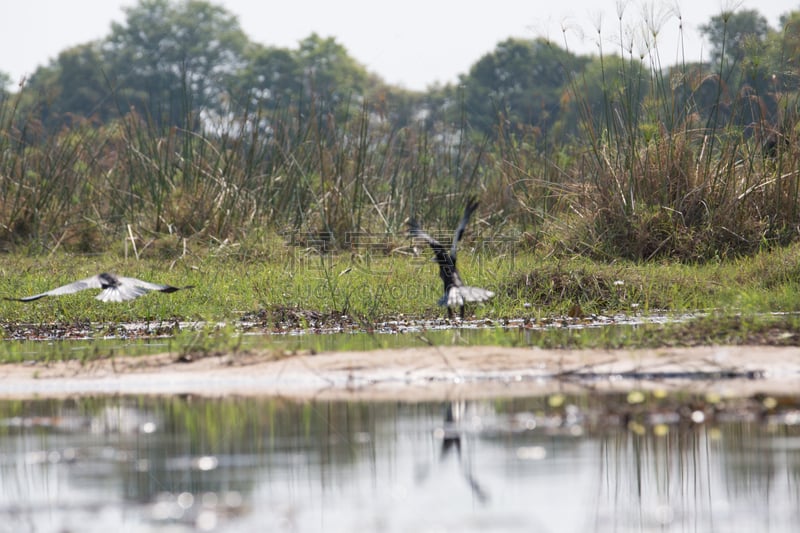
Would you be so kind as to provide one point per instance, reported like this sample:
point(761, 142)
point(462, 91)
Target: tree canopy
point(520, 82)
point(731, 33)
point(179, 62)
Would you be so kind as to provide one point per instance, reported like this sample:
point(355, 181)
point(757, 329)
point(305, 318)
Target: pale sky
point(418, 45)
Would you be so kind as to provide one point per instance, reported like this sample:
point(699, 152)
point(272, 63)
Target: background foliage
point(177, 128)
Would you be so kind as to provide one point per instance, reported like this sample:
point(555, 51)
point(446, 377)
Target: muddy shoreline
point(419, 374)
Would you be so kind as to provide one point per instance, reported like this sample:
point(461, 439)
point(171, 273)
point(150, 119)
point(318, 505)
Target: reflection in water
point(451, 435)
point(557, 463)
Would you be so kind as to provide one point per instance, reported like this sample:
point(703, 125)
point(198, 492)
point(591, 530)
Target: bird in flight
point(114, 288)
point(456, 294)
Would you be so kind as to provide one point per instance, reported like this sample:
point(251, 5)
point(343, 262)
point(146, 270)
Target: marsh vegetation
point(278, 182)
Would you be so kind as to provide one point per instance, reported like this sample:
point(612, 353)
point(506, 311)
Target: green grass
point(289, 287)
point(375, 287)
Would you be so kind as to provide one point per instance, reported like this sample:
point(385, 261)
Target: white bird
point(114, 288)
point(456, 294)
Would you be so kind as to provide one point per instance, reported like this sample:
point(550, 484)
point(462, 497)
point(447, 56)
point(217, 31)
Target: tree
point(520, 82)
point(170, 57)
point(731, 33)
point(71, 87)
point(743, 50)
point(270, 77)
point(607, 99)
point(5, 81)
point(786, 50)
point(327, 69)
point(318, 72)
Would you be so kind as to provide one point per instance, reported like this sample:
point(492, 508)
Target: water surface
point(634, 462)
point(87, 341)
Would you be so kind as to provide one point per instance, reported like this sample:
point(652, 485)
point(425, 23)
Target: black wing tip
point(170, 288)
point(26, 299)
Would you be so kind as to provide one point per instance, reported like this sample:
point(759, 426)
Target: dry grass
point(655, 175)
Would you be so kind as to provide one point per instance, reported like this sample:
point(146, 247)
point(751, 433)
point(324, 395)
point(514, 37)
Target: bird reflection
point(452, 434)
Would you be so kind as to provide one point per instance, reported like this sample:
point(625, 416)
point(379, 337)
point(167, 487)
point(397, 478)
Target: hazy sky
point(424, 42)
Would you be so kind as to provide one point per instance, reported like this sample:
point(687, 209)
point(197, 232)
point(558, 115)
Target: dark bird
point(114, 288)
point(456, 294)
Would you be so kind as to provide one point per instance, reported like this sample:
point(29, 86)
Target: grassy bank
point(277, 286)
point(383, 287)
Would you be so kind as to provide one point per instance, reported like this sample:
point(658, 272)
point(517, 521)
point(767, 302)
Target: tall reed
point(672, 176)
point(670, 163)
point(299, 170)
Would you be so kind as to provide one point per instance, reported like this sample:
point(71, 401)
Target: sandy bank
point(419, 373)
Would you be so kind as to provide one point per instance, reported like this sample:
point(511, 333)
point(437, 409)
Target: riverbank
point(418, 374)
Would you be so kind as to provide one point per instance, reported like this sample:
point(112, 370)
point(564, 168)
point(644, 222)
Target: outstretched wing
point(472, 205)
point(76, 286)
point(130, 288)
point(415, 231)
point(123, 289)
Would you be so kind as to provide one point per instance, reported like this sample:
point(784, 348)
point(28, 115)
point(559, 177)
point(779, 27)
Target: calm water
point(557, 463)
